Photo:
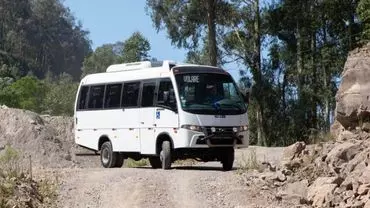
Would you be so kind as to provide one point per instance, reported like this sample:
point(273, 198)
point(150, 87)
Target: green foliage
point(61, 95)
point(363, 10)
point(9, 163)
point(39, 36)
point(135, 48)
point(307, 54)
point(27, 93)
point(54, 96)
point(101, 58)
point(189, 22)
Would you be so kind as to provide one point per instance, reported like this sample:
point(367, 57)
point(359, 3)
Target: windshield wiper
point(233, 105)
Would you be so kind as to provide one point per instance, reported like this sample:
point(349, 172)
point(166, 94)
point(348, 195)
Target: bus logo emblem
point(220, 116)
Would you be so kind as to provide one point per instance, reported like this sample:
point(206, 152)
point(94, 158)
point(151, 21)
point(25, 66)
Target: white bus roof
point(140, 65)
point(134, 71)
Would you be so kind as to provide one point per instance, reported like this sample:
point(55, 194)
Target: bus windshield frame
point(209, 93)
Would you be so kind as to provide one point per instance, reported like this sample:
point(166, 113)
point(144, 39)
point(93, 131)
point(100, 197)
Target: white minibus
point(162, 111)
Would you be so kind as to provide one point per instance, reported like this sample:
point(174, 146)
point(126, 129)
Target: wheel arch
point(165, 136)
point(102, 139)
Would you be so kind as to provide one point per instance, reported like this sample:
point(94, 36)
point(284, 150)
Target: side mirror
point(169, 99)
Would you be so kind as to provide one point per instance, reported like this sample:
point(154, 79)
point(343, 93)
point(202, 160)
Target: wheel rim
point(105, 156)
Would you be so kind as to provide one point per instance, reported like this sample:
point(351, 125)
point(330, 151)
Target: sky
point(110, 21)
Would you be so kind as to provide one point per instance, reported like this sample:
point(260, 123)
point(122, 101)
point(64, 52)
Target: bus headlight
point(192, 127)
point(240, 128)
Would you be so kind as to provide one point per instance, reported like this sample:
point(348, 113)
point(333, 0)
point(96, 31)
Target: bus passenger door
point(166, 116)
point(147, 111)
point(129, 129)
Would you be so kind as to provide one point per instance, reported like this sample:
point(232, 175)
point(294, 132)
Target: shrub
point(17, 189)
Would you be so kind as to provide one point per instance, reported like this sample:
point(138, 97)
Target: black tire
point(107, 157)
point(119, 160)
point(165, 155)
point(228, 159)
point(155, 162)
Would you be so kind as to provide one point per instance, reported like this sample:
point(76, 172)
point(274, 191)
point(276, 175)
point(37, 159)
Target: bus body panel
point(167, 122)
point(123, 133)
point(147, 130)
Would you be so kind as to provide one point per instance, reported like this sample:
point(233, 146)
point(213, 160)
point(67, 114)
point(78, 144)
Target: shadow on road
point(201, 168)
point(189, 168)
point(86, 154)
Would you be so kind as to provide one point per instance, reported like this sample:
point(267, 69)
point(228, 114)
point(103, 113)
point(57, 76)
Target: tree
point(187, 22)
point(243, 44)
point(41, 36)
point(61, 95)
point(313, 38)
point(61, 43)
point(135, 48)
point(363, 10)
point(26, 93)
point(103, 56)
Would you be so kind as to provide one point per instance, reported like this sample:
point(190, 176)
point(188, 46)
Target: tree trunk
point(212, 43)
point(261, 134)
point(314, 98)
point(326, 87)
point(299, 61)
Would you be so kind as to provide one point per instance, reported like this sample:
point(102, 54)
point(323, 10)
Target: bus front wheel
point(165, 155)
point(228, 159)
point(155, 162)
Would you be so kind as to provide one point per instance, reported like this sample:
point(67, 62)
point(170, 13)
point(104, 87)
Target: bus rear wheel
point(108, 158)
point(119, 160)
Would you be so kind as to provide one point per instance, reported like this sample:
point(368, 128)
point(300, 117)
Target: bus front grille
point(220, 132)
point(228, 141)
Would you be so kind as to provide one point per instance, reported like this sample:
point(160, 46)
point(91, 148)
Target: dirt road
point(203, 185)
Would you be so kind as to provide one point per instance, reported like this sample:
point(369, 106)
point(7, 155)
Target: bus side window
point(147, 98)
point(130, 94)
point(82, 99)
point(166, 95)
point(96, 97)
point(113, 96)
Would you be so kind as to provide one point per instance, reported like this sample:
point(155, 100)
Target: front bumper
point(222, 138)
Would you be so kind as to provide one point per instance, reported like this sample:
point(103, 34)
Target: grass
point(18, 189)
point(187, 162)
point(9, 163)
point(249, 162)
point(130, 163)
point(317, 137)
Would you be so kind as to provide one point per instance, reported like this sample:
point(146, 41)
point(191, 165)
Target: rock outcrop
point(353, 96)
point(334, 173)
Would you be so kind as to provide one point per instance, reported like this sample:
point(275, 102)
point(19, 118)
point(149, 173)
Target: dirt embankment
point(48, 140)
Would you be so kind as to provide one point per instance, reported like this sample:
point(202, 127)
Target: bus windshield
point(209, 93)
